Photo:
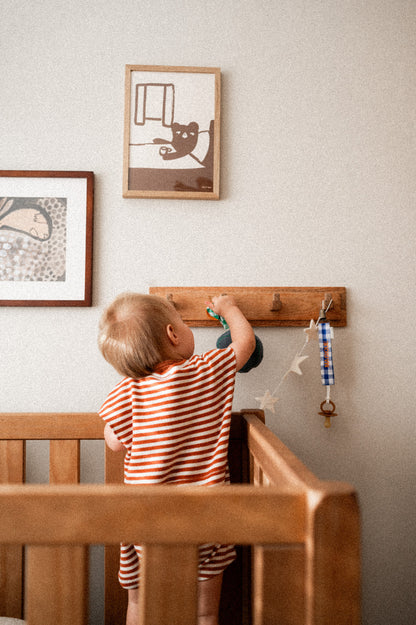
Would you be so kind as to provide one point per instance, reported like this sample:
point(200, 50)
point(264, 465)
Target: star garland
point(269, 400)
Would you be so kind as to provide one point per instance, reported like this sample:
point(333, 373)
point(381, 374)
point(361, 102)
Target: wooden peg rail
point(263, 306)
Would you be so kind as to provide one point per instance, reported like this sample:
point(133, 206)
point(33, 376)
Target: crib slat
point(279, 585)
point(12, 470)
point(64, 461)
point(64, 561)
point(12, 462)
point(115, 603)
point(169, 572)
point(56, 578)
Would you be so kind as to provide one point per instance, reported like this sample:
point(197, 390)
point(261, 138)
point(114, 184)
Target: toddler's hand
point(243, 341)
point(221, 303)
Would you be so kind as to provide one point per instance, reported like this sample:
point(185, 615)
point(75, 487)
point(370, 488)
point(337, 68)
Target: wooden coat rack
point(263, 306)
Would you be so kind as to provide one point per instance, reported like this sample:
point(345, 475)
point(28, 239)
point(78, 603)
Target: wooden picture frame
point(172, 132)
point(46, 222)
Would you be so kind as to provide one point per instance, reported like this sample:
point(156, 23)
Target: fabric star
point(311, 332)
point(295, 366)
point(267, 401)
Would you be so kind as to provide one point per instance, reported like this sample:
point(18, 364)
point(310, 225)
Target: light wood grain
point(115, 597)
point(104, 514)
point(299, 304)
point(51, 425)
point(56, 583)
point(305, 531)
point(279, 585)
point(12, 463)
point(169, 573)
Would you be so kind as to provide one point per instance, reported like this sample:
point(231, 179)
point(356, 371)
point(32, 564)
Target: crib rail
point(305, 532)
point(102, 514)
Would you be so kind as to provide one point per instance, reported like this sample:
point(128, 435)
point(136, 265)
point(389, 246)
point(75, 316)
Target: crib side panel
point(12, 471)
point(316, 582)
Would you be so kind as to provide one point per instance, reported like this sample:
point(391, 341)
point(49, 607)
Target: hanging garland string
point(321, 331)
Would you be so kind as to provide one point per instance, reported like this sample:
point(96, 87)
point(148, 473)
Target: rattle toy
point(225, 340)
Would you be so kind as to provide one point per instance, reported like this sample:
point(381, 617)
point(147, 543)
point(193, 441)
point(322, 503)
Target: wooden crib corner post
point(333, 557)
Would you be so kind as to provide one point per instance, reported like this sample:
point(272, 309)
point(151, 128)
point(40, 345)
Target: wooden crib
point(299, 537)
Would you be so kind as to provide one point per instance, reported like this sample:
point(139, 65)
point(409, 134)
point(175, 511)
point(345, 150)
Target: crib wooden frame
point(298, 564)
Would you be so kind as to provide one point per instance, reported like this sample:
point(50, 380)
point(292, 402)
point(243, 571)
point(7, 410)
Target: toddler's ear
point(171, 334)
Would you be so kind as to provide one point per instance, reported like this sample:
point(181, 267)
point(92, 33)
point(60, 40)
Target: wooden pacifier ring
point(330, 412)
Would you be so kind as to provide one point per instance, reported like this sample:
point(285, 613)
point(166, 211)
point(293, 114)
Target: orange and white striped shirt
point(175, 422)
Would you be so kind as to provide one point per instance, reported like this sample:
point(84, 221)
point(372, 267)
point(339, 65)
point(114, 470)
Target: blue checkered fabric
point(325, 349)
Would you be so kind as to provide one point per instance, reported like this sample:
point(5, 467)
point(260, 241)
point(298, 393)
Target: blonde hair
point(132, 333)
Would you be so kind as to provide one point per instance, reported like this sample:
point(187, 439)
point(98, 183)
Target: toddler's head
point(132, 333)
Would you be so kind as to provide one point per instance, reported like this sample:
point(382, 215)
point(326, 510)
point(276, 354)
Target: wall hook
point(326, 305)
point(169, 297)
point(276, 303)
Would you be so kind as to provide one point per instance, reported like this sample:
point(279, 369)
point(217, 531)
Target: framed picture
point(46, 238)
point(172, 132)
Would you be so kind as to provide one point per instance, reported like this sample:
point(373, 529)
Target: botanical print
point(33, 233)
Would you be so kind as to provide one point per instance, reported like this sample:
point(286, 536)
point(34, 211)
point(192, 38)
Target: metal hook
point(326, 305)
point(327, 302)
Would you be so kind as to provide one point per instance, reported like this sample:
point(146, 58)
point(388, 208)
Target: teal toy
point(225, 340)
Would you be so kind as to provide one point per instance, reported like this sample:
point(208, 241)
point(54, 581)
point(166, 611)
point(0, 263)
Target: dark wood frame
point(86, 299)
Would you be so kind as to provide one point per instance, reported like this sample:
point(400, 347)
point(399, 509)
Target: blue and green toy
point(225, 340)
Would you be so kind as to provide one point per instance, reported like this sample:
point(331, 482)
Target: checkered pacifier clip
point(325, 336)
point(325, 348)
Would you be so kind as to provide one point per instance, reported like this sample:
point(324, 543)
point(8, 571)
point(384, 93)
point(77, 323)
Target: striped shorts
point(213, 560)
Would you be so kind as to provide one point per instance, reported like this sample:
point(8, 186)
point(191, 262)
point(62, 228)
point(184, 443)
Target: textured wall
point(318, 188)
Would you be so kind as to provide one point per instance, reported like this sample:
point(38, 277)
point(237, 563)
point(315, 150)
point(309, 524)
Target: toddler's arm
point(242, 335)
point(111, 439)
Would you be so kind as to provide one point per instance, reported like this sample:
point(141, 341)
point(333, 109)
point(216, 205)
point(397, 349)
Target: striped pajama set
point(174, 424)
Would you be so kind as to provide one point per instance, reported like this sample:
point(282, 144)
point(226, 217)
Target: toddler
point(171, 413)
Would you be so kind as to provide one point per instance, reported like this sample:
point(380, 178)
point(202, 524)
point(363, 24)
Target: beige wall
point(318, 188)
